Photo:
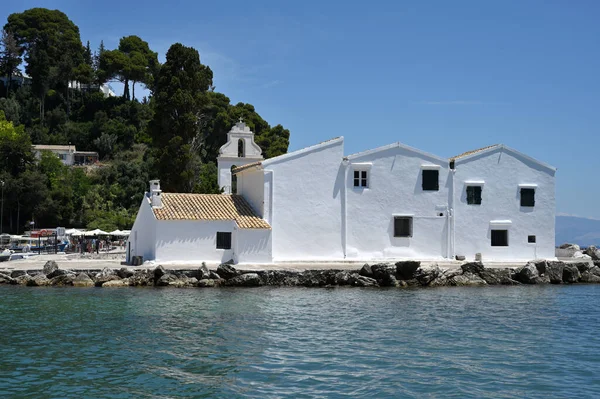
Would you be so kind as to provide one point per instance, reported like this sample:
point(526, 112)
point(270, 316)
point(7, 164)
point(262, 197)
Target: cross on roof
point(241, 120)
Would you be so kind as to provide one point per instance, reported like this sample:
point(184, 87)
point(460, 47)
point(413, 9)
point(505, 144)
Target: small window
point(527, 197)
point(431, 180)
point(361, 178)
point(402, 226)
point(531, 239)
point(474, 195)
point(499, 238)
point(223, 240)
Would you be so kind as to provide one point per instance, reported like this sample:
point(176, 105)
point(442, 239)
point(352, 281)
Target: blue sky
point(442, 76)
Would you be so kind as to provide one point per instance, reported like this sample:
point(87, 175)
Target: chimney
point(155, 198)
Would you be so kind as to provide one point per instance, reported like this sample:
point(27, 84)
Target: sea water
point(492, 342)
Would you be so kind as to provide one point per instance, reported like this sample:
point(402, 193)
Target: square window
point(361, 178)
point(474, 195)
point(531, 239)
point(223, 240)
point(431, 180)
point(402, 226)
point(527, 197)
point(499, 238)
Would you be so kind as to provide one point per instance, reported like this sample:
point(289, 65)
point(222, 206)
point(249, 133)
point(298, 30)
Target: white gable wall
point(143, 233)
point(303, 193)
point(395, 188)
point(253, 246)
point(192, 240)
point(250, 184)
point(502, 171)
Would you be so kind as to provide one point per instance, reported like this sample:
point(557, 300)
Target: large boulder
point(426, 274)
point(206, 282)
point(582, 266)
point(593, 252)
point(63, 280)
point(466, 279)
point(498, 277)
point(159, 271)
point(343, 277)
point(527, 274)
point(588, 277)
point(227, 271)
point(6, 279)
point(384, 274)
point(23, 279)
point(362, 281)
point(366, 271)
point(581, 255)
point(203, 272)
point(245, 280)
point(39, 280)
point(105, 275)
point(144, 277)
point(554, 271)
point(83, 280)
point(116, 283)
point(571, 274)
point(173, 280)
point(574, 247)
point(405, 270)
point(595, 271)
point(58, 272)
point(17, 273)
point(49, 267)
point(472, 267)
point(125, 272)
point(443, 278)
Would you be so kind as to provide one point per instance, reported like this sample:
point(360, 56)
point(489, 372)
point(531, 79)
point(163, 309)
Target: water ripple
point(494, 342)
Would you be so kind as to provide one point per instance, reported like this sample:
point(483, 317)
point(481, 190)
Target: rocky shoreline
point(400, 274)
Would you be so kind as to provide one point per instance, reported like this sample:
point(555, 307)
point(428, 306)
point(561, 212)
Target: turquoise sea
point(493, 342)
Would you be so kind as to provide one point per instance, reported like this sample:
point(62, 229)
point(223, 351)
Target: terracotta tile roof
point(209, 207)
point(464, 154)
point(244, 167)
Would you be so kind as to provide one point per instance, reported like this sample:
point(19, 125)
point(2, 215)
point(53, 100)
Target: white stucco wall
point(250, 185)
point(502, 171)
point(141, 241)
point(395, 189)
point(303, 193)
point(253, 246)
point(192, 241)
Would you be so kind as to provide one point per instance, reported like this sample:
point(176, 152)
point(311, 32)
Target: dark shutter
point(402, 226)
point(474, 195)
point(363, 179)
point(531, 239)
point(527, 197)
point(499, 238)
point(223, 240)
point(356, 178)
point(431, 180)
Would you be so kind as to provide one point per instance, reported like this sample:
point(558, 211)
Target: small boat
point(5, 255)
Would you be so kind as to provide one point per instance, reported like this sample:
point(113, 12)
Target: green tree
point(52, 47)
point(179, 97)
point(142, 64)
point(10, 57)
point(15, 148)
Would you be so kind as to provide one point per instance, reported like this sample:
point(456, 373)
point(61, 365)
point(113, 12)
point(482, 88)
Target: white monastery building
point(389, 203)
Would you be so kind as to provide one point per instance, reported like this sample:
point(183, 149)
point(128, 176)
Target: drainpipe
point(346, 163)
point(271, 206)
point(451, 218)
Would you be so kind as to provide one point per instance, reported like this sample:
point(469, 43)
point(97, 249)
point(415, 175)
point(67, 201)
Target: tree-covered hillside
point(51, 94)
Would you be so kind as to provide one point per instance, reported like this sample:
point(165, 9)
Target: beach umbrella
point(117, 233)
point(72, 232)
point(95, 232)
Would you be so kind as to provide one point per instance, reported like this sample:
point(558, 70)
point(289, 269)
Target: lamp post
point(2, 211)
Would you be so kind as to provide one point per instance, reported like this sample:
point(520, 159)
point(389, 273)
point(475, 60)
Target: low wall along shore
point(400, 274)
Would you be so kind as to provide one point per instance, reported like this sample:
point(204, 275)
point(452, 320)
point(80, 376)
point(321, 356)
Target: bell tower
point(239, 150)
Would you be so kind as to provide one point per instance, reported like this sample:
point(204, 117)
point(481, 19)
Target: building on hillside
point(67, 154)
point(392, 202)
